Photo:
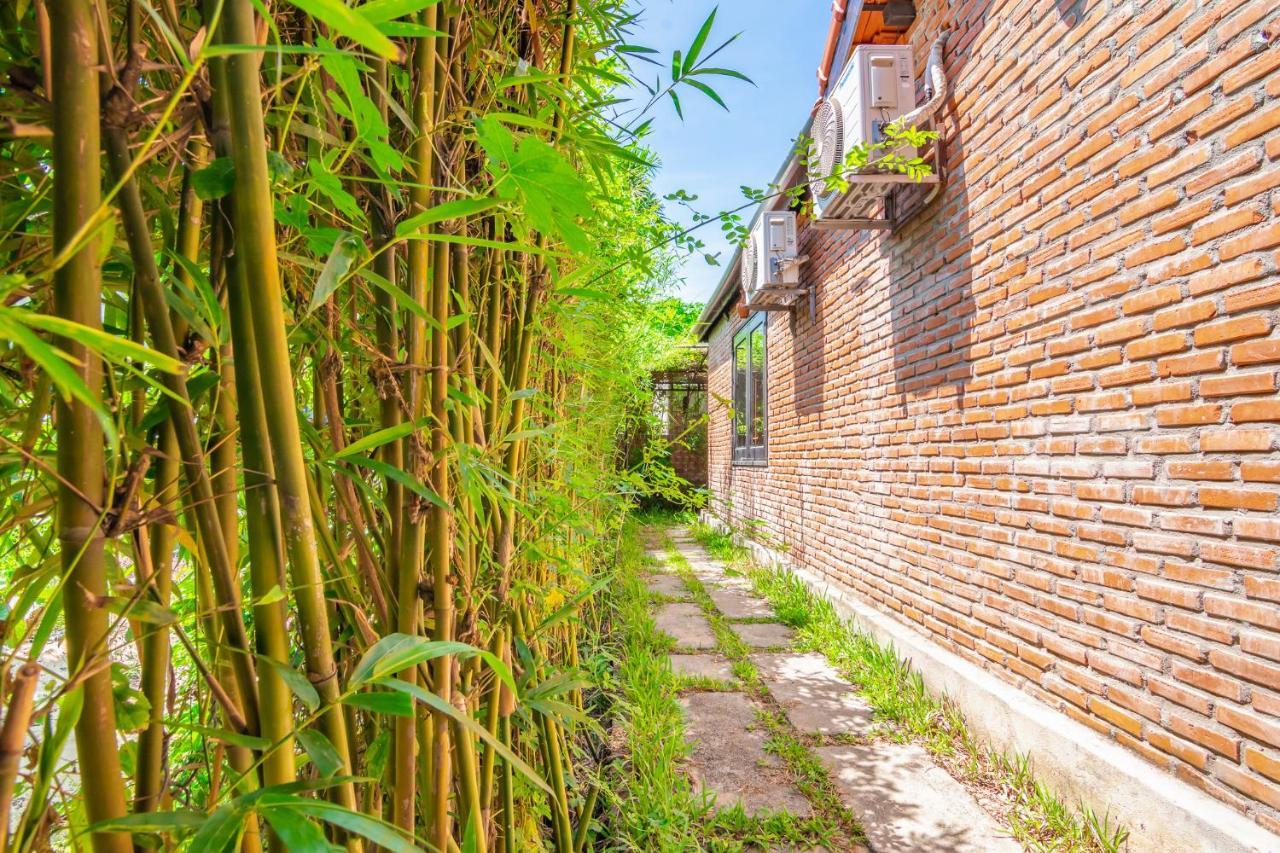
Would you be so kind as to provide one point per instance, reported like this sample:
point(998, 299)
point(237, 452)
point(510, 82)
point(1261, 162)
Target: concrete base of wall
point(1162, 813)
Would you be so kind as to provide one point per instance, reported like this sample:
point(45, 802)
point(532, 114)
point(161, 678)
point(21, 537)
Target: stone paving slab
point(907, 804)
point(685, 623)
point(736, 604)
point(728, 581)
point(729, 758)
point(763, 635)
point(702, 666)
point(710, 572)
point(668, 585)
point(817, 700)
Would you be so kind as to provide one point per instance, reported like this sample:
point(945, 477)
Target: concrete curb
point(1162, 813)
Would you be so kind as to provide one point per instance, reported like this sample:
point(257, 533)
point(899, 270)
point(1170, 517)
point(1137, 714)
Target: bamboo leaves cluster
point(319, 332)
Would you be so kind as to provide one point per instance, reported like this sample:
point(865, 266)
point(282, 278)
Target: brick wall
point(1041, 420)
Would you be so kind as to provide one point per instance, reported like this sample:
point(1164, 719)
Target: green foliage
point(556, 263)
point(1036, 816)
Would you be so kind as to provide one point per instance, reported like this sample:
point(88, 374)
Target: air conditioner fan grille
point(828, 144)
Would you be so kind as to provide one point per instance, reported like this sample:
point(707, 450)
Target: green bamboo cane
point(202, 503)
point(81, 460)
point(412, 527)
point(256, 244)
point(441, 540)
point(264, 532)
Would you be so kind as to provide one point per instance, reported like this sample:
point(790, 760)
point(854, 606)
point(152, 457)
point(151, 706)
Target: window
point(750, 392)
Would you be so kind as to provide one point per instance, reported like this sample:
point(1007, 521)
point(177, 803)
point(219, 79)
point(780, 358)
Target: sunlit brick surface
point(1041, 421)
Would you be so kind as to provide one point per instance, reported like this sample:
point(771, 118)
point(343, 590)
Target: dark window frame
point(749, 445)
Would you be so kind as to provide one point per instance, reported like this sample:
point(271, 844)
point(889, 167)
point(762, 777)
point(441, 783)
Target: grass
point(832, 825)
point(1034, 815)
point(648, 802)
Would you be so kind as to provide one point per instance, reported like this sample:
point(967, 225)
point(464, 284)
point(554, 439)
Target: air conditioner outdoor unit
point(875, 87)
point(769, 259)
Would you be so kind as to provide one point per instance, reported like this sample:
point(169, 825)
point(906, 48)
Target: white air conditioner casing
point(769, 258)
point(876, 86)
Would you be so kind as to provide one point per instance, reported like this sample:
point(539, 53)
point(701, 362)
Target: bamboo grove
point(320, 324)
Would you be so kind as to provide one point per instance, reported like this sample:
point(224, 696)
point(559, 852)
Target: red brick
point(1256, 124)
point(1261, 615)
point(1256, 352)
point(1206, 413)
point(1240, 440)
point(1259, 728)
point(1254, 411)
point(1234, 329)
point(1184, 315)
point(1267, 765)
point(1240, 383)
point(1260, 472)
point(1223, 744)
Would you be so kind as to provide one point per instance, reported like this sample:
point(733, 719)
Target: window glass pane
point(740, 392)
point(757, 386)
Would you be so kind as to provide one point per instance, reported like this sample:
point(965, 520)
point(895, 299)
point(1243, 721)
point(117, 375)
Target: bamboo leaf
point(434, 702)
point(699, 41)
point(708, 91)
point(397, 652)
point(141, 609)
point(178, 822)
point(68, 382)
point(323, 755)
point(111, 347)
point(216, 180)
point(229, 737)
point(377, 439)
point(444, 212)
point(402, 477)
point(393, 704)
point(379, 11)
point(295, 681)
point(221, 829)
point(345, 249)
point(271, 596)
point(296, 832)
point(378, 831)
point(349, 22)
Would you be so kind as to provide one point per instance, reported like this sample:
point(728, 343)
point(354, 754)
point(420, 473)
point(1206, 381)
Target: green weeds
point(649, 804)
point(832, 825)
point(1035, 816)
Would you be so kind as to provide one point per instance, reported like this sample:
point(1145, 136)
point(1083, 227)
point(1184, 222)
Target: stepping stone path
point(729, 758)
point(905, 802)
point(909, 804)
point(668, 585)
point(817, 700)
point(685, 623)
point(703, 666)
point(735, 604)
point(764, 635)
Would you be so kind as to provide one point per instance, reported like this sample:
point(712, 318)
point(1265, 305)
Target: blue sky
point(713, 152)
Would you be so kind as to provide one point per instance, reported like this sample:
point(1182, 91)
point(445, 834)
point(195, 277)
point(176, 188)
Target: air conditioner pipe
point(936, 87)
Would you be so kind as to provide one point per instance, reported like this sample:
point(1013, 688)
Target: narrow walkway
point(903, 801)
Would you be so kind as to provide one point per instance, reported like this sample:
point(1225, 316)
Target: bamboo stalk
point(441, 545)
point(81, 459)
point(202, 503)
point(13, 740)
point(262, 516)
point(412, 528)
point(255, 242)
point(150, 773)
